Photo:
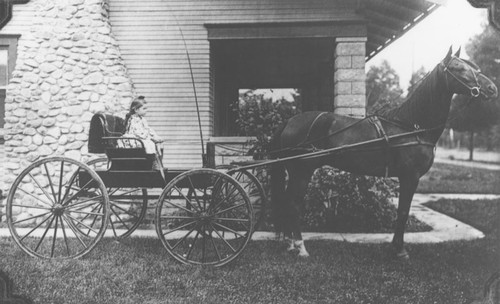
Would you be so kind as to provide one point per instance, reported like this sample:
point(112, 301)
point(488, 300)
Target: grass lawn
point(446, 178)
point(481, 214)
point(139, 271)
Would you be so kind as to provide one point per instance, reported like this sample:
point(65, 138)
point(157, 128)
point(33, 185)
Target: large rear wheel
point(128, 206)
point(53, 213)
point(204, 217)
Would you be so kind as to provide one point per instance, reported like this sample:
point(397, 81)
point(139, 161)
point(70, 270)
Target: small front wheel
point(204, 217)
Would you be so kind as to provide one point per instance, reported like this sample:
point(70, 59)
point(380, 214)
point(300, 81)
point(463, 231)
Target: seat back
point(104, 125)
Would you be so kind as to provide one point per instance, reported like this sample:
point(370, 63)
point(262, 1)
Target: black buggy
point(59, 207)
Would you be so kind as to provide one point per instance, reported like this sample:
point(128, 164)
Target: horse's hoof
point(303, 254)
point(402, 255)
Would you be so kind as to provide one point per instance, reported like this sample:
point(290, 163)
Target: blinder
point(475, 91)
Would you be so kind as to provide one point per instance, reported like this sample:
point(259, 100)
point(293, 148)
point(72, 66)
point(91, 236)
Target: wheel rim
point(204, 217)
point(255, 192)
point(128, 206)
point(51, 214)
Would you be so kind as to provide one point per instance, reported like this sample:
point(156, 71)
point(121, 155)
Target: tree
point(416, 79)
point(382, 87)
point(473, 116)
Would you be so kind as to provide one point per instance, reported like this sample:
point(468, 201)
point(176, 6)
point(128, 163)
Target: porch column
point(350, 77)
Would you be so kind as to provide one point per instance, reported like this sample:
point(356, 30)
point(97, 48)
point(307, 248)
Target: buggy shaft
point(324, 152)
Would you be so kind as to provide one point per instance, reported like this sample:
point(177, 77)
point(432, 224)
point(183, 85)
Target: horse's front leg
point(407, 187)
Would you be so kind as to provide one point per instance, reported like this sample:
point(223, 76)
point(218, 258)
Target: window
point(4, 80)
point(8, 54)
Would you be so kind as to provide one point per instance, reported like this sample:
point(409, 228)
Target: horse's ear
point(448, 56)
point(457, 54)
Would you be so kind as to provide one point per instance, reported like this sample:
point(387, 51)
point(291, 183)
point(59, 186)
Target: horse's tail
point(278, 183)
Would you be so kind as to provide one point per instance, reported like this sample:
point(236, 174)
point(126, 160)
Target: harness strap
point(311, 127)
point(381, 134)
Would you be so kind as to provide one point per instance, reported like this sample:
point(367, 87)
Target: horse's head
point(465, 77)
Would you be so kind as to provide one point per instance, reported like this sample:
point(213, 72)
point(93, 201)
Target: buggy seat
point(124, 153)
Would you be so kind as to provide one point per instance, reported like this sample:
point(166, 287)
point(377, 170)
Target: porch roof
point(390, 19)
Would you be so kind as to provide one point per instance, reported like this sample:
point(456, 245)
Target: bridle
point(475, 91)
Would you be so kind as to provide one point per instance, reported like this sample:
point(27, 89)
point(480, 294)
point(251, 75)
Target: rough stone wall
point(350, 77)
point(68, 68)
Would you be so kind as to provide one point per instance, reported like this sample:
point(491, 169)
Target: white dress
point(138, 127)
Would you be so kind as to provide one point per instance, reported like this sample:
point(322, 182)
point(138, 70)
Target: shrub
point(259, 117)
point(344, 202)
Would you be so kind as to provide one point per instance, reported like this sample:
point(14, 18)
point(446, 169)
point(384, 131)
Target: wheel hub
point(58, 209)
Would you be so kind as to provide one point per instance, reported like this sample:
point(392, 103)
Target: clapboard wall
point(153, 36)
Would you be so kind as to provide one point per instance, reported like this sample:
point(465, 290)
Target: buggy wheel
point(52, 213)
point(204, 217)
point(255, 192)
point(127, 206)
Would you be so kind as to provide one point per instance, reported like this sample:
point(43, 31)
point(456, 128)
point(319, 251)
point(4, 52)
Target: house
point(64, 60)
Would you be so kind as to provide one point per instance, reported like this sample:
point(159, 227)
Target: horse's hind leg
point(408, 186)
point(297, 188)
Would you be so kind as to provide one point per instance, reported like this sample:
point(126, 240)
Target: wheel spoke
point(83, 224)
point(30, 207)
point(187, 199)
point(66, 201)
point(65, 237)
point(223, 239)
point(44, 234)
point(55, 237)
point(30, 218)
point(41, 188)
point(215, 248)
point(61, 173)
point(184, 238)
point(178, 206)
point(230, 208)
point(70, 184)
point(192, 245)
point(71, 226)
point(91, 200)
point(229, 229)
point(194, 191)
point(50, 182)
point(36, 197)
point(224, 200)
point(120, 219)
point(179, 228)
point(36, 227)
point(122, 209)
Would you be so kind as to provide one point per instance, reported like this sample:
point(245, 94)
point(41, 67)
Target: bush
point(259, 117)
point(344, 202)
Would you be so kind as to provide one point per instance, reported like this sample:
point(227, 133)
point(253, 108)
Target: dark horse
point(400, 143)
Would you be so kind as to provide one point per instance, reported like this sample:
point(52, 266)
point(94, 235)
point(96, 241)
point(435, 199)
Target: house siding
point(155, 38)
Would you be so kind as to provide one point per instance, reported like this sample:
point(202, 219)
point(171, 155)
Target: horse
point(399, 143)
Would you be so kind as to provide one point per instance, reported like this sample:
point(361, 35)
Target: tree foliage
point(259, 117)
point(472, 114)
point(416, 79)
point(382, 87)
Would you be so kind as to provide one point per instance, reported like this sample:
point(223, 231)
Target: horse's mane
point(415, 108)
